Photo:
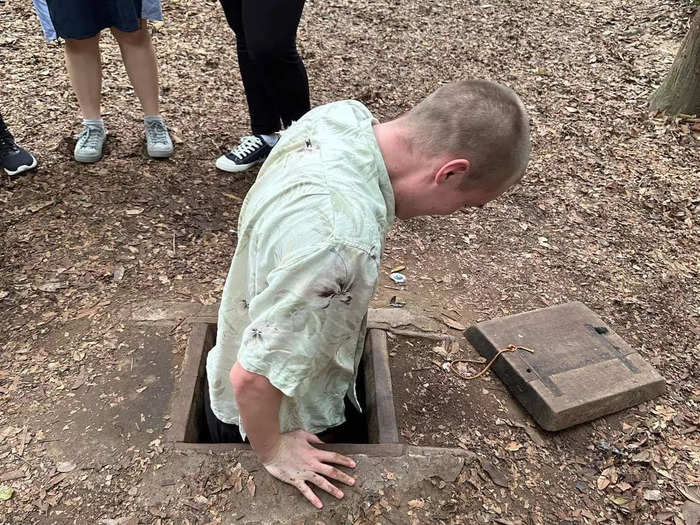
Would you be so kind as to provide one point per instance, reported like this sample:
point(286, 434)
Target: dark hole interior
point(354, 430)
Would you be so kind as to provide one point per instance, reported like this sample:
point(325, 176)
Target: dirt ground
point(435, 407)
point(607, 214)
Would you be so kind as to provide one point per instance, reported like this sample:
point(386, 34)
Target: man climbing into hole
point(292, 319)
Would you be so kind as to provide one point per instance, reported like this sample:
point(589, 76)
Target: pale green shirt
point(310, 237)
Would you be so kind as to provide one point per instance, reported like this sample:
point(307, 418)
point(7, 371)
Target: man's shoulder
point(350, 111)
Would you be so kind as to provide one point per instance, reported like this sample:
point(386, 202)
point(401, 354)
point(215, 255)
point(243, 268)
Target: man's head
point(468, 141)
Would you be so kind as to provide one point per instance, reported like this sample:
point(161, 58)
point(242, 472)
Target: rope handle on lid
point(509, 348)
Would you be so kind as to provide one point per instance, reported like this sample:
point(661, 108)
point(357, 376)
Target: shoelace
point(246, 146)
point(90, 137)
point(157, 132)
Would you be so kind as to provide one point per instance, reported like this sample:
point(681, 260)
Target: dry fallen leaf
point(235, 477)
point(54, 481)
point(6, 492)
point(80, 379)
point(619, 500)
point(642, 457)
point(513, 446)
point(52, 286)
point(416, 504)
point(118, 273)
point(452, 323)
point(495, 474)
point(611, 474)
point(440, 350)
point(250, 485)
point(233, 197)
point(652, 495)
point(65, 466)
point(12, 475)
point(39, 206)
point(9, 432)
point(692, 493)
point(608, 476)
point(175, 135)
point(664, 411)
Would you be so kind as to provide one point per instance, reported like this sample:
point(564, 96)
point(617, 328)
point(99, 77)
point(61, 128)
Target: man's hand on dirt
point(296, 462)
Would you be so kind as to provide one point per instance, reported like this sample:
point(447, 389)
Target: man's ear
point(459, 168)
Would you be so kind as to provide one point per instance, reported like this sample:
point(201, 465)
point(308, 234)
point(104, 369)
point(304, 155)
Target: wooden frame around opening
point(381, 416)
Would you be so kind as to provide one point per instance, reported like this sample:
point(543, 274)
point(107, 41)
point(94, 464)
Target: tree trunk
point(680, 92)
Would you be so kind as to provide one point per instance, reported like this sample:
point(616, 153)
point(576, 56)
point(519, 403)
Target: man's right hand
point(288, 457)
point(295, 461)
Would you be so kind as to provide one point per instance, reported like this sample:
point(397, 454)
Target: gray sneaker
point(88, 148)
point(158, 141)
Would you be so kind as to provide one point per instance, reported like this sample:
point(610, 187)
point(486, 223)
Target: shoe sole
point(86, 159)
point(235, 168)
point(21, 169)
point(160, 154)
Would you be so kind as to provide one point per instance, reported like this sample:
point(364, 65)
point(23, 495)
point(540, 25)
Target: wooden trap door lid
point(580, 369)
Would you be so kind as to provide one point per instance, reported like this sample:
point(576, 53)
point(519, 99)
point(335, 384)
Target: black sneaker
point(250, 151)
point(13, 159)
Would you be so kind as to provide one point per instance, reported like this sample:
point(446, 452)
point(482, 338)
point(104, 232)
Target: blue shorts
point(85, 18)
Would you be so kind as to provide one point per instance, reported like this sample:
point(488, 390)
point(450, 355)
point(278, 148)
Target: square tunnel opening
point(375, 425)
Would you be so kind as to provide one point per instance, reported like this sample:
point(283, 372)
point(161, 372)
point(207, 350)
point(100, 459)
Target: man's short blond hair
point(479, 120)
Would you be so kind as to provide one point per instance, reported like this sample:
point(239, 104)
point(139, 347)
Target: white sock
point(270, 140)
point(94, 122)
point(152, 118)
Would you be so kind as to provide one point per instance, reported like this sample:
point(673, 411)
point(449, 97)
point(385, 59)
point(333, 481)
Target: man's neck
point(396, 148)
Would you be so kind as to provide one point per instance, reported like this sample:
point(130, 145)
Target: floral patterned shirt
point(310, 237)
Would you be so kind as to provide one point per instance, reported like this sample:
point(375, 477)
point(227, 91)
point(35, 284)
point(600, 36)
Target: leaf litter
point(607, 214)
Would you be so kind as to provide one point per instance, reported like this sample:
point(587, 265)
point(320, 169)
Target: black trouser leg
point(274, 76)
point(219, 432)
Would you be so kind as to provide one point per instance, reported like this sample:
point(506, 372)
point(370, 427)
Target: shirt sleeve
point(308, 319)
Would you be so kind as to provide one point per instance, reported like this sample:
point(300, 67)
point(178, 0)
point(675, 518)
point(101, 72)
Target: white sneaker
point(251, 150)
point(88, 148)
point(158, 142)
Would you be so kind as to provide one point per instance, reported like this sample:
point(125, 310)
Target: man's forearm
point(259, 406)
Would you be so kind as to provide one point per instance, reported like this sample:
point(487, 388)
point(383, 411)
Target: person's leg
point(140, 63)
point(264, 117)
point(85, 71)
point(274, 77)
point(141, 66)
point(270, 29)
point(219, 432)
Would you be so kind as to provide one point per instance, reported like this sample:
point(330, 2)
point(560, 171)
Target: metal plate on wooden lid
point(580, 369)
